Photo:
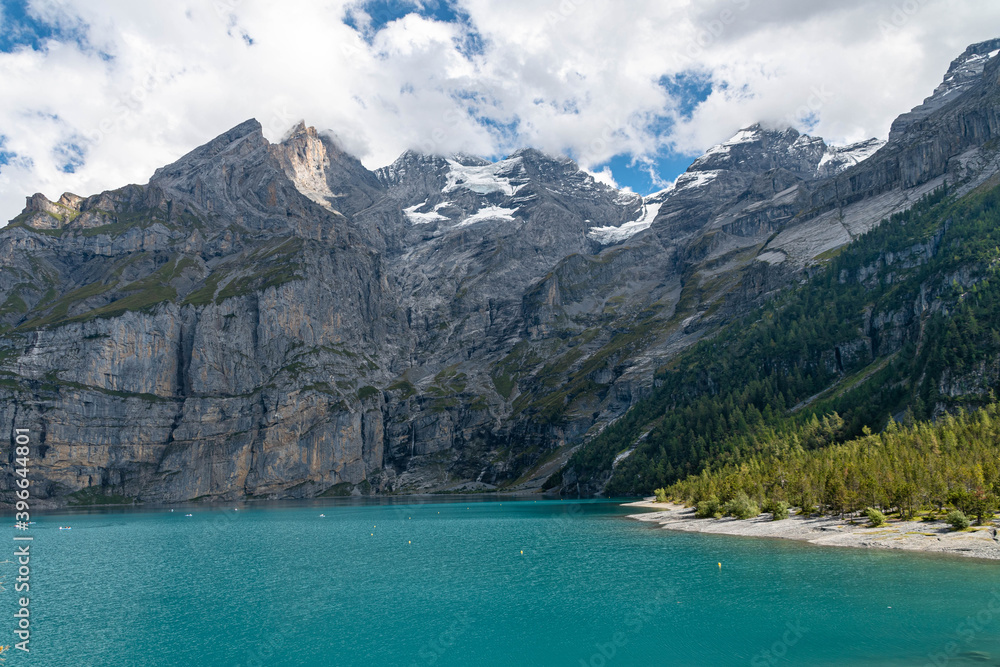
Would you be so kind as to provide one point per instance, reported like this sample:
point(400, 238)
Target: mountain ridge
point(276, 320)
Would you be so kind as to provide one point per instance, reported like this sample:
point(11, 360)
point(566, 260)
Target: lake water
point(479, 583)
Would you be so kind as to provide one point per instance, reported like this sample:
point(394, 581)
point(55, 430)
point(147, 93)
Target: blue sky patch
point(688, 89)
point(19, 29)
point(383, 12)
point(506, 133)
point(69, 156)
point(639, 175)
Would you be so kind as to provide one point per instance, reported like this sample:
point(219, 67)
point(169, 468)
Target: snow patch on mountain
point(489, 213)
point(838, 158)
point(696, 179)
point(484, 179)
point(416, 218)
point(744, 136)
point(609, 235)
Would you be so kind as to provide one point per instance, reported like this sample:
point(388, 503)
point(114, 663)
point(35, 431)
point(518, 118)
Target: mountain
point(898, 324)
point(271, 320)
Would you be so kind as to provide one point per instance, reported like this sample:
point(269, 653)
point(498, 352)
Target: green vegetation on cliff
point(905, 319)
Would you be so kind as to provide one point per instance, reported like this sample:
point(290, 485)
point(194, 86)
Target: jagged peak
point(297, 130)
point(467, 160)
point(975, 55)
point(531, 154)
point(750, 148)
point(249, 130)
point(966, 68)
point(300, 132)
point(758, 133)
point(39, 202)
point(964, 71)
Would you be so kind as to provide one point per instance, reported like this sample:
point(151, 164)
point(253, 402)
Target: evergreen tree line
point(929, 465)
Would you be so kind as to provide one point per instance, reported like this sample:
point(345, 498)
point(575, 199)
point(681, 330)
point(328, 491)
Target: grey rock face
point(275, 320)
point(963, 73)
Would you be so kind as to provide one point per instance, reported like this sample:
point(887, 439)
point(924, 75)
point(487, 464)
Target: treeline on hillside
point(928, 465)
point(775, 370)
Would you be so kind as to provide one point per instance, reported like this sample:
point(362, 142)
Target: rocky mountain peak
point(324, 172)
point(756, 148)
point(206, 173)
point(305, 161)
point(40, 213)
point(467, 160)
point(234, 144)
point(969, 66)
point(963, 72)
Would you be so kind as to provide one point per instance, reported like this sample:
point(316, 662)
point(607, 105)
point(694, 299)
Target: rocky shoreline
point(928, 537)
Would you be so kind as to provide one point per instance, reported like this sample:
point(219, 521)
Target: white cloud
point(573, 76)
point(604, 176)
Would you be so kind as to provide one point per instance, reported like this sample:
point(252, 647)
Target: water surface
point(481, 583)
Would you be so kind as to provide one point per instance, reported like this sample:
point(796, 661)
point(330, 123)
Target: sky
point(96, 94)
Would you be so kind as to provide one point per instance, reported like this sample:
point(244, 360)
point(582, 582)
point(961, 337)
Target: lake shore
point(928, 537)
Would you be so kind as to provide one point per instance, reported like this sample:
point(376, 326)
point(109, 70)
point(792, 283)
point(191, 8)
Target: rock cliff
point(271, 320)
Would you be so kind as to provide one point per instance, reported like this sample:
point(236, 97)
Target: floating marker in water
point(409, 541)
point(720, 566)
point(522, 552)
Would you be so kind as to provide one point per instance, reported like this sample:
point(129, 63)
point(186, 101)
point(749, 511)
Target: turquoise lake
point(446, 583)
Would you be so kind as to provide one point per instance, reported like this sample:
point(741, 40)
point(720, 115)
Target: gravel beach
point(930, 537)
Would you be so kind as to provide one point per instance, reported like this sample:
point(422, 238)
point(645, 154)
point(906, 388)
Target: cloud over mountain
point(96, 94)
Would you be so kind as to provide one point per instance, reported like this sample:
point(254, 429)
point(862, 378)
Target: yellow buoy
point(522, 552)
point(720, 566)
point(409, 542)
